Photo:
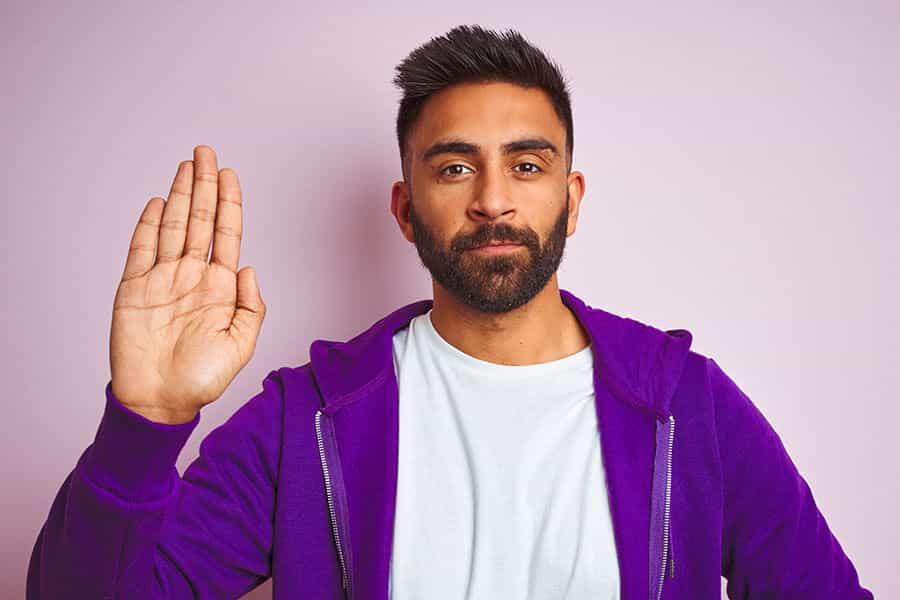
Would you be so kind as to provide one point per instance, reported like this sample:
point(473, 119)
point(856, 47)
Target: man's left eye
point(535, 170)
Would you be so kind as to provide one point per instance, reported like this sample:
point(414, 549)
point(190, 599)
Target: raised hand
point(185, 323)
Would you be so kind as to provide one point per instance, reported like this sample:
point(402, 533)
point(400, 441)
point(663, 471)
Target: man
point(502, 440)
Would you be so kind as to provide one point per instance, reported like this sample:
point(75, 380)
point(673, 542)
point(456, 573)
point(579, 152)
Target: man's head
point(485, 136)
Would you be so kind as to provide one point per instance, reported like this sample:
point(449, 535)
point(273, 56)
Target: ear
point(576, 193)
point(400, 209)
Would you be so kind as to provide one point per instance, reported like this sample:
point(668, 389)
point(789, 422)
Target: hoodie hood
point(639, 363)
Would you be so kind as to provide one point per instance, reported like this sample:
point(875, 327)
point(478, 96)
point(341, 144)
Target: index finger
point(229, 221)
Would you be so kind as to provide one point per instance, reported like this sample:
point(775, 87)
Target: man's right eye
point(446, 169)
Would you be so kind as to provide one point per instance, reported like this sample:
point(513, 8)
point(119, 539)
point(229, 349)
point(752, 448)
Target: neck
point(540, 331)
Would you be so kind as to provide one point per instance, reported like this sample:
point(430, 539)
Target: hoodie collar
point(639, 363)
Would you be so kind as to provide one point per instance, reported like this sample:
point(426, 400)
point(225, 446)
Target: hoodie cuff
point(132, 456)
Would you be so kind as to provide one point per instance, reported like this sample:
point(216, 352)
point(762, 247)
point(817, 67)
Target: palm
point(183, 327)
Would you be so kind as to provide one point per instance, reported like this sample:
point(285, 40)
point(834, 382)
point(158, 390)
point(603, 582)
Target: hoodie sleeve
point(126, 525)
point(775, 541)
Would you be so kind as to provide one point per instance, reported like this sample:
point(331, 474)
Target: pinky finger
point(142, 250)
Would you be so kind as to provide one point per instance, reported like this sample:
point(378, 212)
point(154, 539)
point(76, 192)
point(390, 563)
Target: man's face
point(487, 280)
point(487, 164)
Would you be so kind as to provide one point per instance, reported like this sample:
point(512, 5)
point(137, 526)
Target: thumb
point(249, 311)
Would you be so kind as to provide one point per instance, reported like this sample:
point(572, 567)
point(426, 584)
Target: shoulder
point(713, 411)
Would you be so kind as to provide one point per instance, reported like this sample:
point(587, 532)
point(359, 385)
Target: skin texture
point(185, 320)
point(503, 308)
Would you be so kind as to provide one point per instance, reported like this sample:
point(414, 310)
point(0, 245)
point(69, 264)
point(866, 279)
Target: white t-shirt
point(501, 491)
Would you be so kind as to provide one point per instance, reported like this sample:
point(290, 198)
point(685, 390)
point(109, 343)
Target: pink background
point(741, 166)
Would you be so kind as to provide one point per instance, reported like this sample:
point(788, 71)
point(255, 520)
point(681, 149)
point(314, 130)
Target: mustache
point(496, 234)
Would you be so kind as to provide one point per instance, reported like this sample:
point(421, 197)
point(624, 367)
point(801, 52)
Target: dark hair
point(470, 53)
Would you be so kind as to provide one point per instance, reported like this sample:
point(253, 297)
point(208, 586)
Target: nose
point(492, 200)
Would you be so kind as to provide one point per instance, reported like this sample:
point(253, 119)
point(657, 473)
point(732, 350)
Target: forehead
point(488, 114)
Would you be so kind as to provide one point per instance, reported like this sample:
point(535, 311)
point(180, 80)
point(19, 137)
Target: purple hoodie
point(299, 485)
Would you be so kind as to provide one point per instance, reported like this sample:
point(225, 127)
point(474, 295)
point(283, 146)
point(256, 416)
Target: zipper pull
point(671, 561)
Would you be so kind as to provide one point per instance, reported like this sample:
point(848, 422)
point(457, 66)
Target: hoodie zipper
point(667, 543)
point(345, 577)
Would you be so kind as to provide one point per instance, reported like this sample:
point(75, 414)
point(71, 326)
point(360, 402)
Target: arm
point(125, 525)
point(775, 541)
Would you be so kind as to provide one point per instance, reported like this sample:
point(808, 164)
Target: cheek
point(434, 225)
point(445, 224)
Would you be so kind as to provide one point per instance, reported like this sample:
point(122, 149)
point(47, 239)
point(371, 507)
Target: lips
point(498, 244)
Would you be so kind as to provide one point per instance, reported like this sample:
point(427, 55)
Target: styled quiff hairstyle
point(470, 53)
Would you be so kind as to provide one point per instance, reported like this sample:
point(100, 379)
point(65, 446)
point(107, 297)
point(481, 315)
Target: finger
point(229, 221)
point(175, 216)
point(249, 312)
point(203, 203)
point(142, 249)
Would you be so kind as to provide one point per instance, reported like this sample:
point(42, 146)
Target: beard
point(487, 283)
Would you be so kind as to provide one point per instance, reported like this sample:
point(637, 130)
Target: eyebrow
point(463, 147)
